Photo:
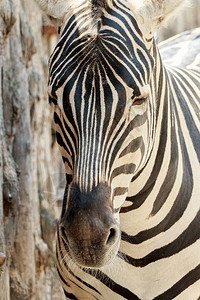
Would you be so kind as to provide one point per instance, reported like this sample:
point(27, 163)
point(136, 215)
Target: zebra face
point(101, 88)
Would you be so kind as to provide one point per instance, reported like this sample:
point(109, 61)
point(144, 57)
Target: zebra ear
point(55, 9)
point(155, 13)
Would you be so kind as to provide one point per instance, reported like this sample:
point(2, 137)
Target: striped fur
point(124, 118)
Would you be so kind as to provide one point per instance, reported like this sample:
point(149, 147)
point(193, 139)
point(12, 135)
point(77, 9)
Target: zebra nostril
point(63, 233)
point(111, 236)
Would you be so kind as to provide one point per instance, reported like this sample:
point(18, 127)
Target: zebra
point(127, 123)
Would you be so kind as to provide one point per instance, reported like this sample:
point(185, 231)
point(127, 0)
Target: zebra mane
point(93, 11)
point(97, 7)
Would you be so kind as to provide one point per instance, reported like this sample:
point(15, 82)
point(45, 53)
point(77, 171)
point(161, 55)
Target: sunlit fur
point(125, 119)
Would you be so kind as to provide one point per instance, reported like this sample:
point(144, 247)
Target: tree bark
point(28, 158)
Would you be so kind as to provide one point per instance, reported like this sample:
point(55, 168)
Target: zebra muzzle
point(89, 229)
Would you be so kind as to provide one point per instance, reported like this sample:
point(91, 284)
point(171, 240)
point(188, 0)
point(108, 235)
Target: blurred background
point(31, 174)
point(187, 18)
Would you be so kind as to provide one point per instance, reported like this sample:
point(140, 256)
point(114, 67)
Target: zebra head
point(102, 83)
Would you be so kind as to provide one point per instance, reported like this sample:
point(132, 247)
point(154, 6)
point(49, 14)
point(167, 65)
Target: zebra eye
point(138, 100)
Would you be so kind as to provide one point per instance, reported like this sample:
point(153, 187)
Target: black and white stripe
point(124, 118)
